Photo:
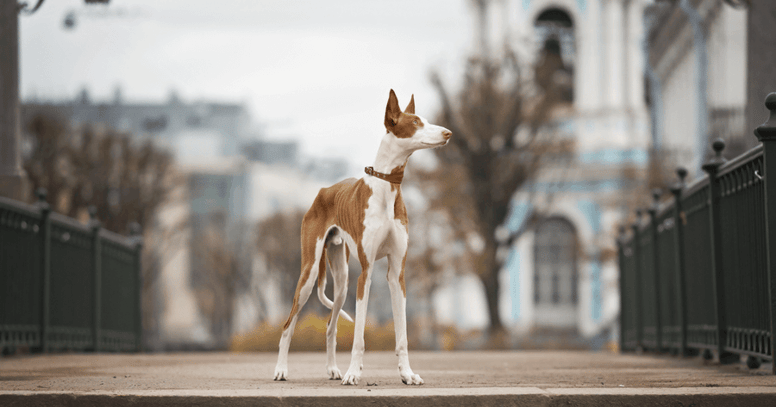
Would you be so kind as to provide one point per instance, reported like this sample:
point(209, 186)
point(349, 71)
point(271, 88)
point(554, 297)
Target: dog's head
point(411, 131)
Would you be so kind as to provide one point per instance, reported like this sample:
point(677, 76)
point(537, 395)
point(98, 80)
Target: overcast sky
point(317, 71)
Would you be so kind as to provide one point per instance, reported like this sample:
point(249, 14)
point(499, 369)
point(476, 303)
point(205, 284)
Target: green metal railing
point(699, 273)
point(64, 285)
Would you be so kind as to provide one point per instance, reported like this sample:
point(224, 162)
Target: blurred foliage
point(124, 180)
point(310, 335)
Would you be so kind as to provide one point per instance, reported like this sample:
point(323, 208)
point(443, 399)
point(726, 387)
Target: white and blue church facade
point(560, 272)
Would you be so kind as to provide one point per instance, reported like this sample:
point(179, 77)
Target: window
point(555, 263)
point(554, 35)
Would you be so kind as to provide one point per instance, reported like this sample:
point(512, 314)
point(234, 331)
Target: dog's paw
point(351, 378)
point(281, 373)
point(334, 373)
point(410, 378)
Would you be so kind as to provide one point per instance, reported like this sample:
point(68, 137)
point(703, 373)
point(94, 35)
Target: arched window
point(555, 273)
point(554, 35)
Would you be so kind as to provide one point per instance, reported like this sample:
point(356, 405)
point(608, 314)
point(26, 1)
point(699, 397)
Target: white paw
point(410, 378)
point(351, 378)
point(334, 373)
point(281, 373)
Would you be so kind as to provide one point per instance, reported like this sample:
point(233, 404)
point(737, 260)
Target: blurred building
point(631, 68)
point(705, 68)
point(204, 137)
point(561, 275)
point(173, 124)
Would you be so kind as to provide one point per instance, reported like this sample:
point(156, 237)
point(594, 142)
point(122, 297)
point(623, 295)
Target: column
point(615, 58)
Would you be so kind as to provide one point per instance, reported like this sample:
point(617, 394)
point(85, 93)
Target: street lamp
point(12, 177)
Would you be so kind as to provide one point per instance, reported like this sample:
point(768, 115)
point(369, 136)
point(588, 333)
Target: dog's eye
point(414, 122)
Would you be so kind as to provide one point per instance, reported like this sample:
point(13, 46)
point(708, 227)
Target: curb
point(431, 397)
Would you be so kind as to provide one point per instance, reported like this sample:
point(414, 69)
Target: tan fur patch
point(322, 268)
point(401, 124)
point(333, 206)
point(400, 211)
point(397, 172)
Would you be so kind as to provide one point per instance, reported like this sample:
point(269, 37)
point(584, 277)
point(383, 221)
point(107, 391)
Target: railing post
point(637, 276)
point(652, 211)
point(95, 225)
point(136, 234)
point(766, 133)
point(621, 265)
point(45, 258)
point(711, 168)
point(681, 278)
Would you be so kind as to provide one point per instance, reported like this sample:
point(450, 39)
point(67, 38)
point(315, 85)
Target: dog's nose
point(447, 134)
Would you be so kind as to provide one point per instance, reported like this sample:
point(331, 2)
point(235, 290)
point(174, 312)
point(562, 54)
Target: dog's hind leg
point(312, 251)
point(338, 263)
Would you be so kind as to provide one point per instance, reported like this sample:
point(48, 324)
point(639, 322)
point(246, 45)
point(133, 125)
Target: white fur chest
point(380, 206)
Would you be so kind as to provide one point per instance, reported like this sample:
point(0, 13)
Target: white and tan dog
point(367, 217)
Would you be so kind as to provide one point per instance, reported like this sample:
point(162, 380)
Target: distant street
point(457, 378)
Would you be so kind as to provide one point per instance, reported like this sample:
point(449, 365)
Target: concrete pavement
point(543, 378)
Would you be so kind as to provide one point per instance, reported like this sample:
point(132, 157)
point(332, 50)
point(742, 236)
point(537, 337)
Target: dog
point(366, 217)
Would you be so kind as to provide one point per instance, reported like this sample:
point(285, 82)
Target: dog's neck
point(390, 155)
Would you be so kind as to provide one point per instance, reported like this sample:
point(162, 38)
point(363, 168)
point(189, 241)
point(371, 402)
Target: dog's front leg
point(353, 375)
point(399, 305)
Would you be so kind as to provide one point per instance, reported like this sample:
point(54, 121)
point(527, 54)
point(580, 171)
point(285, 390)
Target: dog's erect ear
point(411, 107)
point(392, 111)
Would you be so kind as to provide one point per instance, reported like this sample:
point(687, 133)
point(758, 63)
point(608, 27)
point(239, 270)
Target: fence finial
point(136, 233)
point(93, 221)
point(42, 195)
point(768, 129)
point(713, 163)
point(681, 172)
point(656, 194)
point(677, 188)
point(620, 234)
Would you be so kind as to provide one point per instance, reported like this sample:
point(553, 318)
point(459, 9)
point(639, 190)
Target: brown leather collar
point(394, 177)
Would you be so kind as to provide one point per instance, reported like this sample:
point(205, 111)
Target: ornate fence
point(64, 285)
point(699, 273)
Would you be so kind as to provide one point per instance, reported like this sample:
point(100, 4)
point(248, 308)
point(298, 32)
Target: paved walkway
point(544, 378)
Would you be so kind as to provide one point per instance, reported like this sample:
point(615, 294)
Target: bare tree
point(278, 239)
point(222, 273)
point(498, 122)
point(126, 182)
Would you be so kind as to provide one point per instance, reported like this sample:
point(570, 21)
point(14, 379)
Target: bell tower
point(600, 44)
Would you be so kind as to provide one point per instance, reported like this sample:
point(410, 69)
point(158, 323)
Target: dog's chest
point(380, 205)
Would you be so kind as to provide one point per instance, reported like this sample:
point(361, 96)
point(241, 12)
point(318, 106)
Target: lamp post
point(12, 178)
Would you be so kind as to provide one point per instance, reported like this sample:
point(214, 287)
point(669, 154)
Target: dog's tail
point(322, 287)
